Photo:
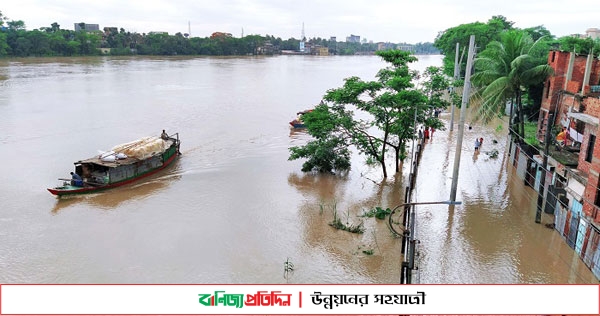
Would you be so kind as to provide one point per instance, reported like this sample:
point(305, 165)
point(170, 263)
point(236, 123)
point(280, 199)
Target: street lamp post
point(408, 240)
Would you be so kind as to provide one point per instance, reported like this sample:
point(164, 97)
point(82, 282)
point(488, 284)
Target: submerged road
point(491, 237)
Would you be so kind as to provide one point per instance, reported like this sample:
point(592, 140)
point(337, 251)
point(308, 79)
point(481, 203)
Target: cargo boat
point(297, 122)
point(125, 163)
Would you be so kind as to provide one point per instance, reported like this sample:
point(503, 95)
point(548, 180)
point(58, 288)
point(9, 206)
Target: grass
point(499, 128)
point(377, 212)
point(338, 224)
point(531, 134)
point(493, 153)
point(288, 269)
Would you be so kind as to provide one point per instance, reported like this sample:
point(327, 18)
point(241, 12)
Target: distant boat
point(297, 122)
point(124, 164)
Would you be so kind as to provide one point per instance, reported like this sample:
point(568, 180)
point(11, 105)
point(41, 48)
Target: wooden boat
point(126, 163)
point(297, 122)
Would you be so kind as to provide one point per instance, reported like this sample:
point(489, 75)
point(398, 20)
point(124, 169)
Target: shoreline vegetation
point(88, 40)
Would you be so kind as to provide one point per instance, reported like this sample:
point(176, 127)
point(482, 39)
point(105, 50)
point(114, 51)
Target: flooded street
point(491, 237)
point(233, 209)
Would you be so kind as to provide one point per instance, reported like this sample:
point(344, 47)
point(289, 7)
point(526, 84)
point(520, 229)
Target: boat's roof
point(110, 164)
point(118, 162)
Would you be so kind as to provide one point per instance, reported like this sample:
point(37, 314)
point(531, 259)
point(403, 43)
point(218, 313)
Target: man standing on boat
point(164, 135)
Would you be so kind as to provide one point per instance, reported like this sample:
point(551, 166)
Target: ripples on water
point(233, 208)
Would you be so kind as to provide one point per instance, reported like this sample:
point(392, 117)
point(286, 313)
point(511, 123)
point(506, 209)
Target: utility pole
point(456, 76)
point(461, 122)
point(547, 140)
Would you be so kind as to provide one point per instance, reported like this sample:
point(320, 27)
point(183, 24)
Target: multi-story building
point(86, 27)
point(571, 100)
point(593, 33)
point(353, 39)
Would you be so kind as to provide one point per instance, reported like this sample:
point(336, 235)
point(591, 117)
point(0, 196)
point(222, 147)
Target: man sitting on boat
point(76, 180)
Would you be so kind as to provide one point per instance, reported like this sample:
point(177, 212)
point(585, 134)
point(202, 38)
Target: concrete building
point(593, 33)
point(86, 27)
point(353, 39)
point(572, 194)
point(321, 51)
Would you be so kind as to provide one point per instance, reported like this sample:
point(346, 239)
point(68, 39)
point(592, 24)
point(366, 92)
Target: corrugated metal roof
point(109, 164)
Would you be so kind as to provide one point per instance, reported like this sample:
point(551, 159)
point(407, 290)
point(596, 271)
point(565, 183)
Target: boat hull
point(72, 190)
point(296, 124)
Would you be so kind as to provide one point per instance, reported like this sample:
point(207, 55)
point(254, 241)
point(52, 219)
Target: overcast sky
point(409, 21)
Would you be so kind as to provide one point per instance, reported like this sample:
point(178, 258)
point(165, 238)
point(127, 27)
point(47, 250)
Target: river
point(233, 209)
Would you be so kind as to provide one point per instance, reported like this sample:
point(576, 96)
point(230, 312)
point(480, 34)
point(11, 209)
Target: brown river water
point(233, 209)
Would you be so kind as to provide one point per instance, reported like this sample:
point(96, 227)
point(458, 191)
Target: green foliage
point(368, 252)
point(373, 116)
point(530, 134)
point(504, 70)
point(434, 86)
point(327, 154)
point(493, 153)
point(378, 213)
point(125, 43)
point(352, 228)
point(579, 45)
point(484, 33)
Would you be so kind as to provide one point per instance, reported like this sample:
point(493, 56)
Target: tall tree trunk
point(382, 161)
point(383, 149)
point(397, 150)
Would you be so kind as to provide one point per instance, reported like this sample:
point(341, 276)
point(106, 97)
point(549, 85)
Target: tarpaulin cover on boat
point(144, 147)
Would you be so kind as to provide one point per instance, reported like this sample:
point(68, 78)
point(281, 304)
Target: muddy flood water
point(233, 209)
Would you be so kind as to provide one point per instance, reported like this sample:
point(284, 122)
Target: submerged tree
point(373, 116)
point(328, 152)
point(504, 70)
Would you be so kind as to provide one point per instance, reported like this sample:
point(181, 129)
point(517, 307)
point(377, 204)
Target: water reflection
point(323, 185)
point(298, 133)
point(372, 254)
point(112, 198)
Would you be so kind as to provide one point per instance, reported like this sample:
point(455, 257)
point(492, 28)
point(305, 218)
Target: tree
point(16, 25)
point(502, 73)
point(373, 116)
point(55, 27)
point(484, 34)
point(3, 37)
point(579, 45)
point(435, 83)
point(538, 32)
point(329, 151)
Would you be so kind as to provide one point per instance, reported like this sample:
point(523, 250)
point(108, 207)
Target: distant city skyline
point(377, 21)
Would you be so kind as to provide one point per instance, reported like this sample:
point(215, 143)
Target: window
point(553, 56)
point(590, 149)
point(548, 89)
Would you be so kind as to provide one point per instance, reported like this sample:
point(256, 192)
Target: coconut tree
point(504, 71)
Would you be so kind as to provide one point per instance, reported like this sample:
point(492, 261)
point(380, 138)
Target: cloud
point(381, 20)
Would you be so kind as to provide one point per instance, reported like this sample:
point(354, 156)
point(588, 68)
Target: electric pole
point(456, 76)
point(547, 140)
point(461, 122)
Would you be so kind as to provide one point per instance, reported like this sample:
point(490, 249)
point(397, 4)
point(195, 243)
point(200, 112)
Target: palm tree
point(504, 70)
